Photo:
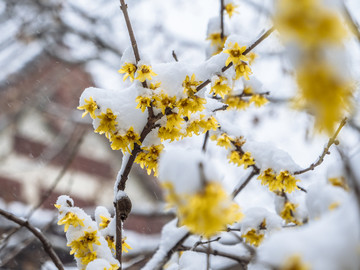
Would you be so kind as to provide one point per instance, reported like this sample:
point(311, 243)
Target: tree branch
point(123, 7)
point(325, 152)
point(249, 49)
point(46, 244)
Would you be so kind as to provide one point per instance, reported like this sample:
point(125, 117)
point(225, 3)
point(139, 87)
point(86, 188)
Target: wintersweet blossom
point(144, 73)
point(190, 85)
point(89, 107)
point(125, 246)
point(235, 54)
point(242, 69)
point(339, 182)
point(253, 237)
point(70, 219)
point(220, 86)
point(241, 159)
point(143, 102)
point(236, 102)
point(104, 222)
point(309, 22)
point(258, 100)
point(288, 181)
point(107, 123)
point(284, 181)
point(148, 158)
point(190, 105)
point(206, 212)
point(223, 140)
point(325, 93)
point(295, 262)
point(287, 213)
point(129, 70)
point(125, 142)
point(163, 101)
point(230, 9)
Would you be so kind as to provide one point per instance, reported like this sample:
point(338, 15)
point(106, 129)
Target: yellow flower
point(190, 105)
point(235, 102)
point(251, 56)
point(169, 133)
point(89, 107)
point(190, 85)
point(287, 213)
point(258, 100)
point(104, 222)
point(235, 54)
point(309, 22)
point(252, 237)
point(334, 205)
point(220, 87)
point(216, 40)
point(210, 123)
point(230, 9)
point(208, 212)
point(129, 70)
point(288, 181)
point(224, 140)
point(242, 70)
point(125, 142)
point(149, 157)
point(143, 102)
point(89, 257)
point(163, 101)
point(174, 120)
point(111, 243)
point(144, 72)
point(125, 246)
point(339, 182)
point(107, 123)
point(84, 244)
point(324, 93)
point(267, 176)
point(241, 159)
point(154, 86)
point(294, 262)
point(70, 219)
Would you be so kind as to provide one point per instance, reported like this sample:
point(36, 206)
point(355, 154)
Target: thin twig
point(206, 138)
point(215, 252)
point(326, 151)
point(250, 48)
point(254, 172)
point(222, 19)
point(46, 244)
point(123, 7)
point(175, 56)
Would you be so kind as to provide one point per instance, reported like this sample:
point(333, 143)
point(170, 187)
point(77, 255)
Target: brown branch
point(123, 7)
point(215, 252)
point(175, 56)
point(206, 138)
point(249, 49)
point(254, 172)
point(46, 244)
point(326, 151)
point(222, 19)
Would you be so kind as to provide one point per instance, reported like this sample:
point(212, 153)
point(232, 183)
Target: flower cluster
point(288, 213)
point(206, 212)
point(107, 124)
point(325, 90)
point(148, 158)
point(89, 241)
point(238, 60)
point(284, 181)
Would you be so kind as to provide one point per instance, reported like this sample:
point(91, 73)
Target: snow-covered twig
point(325, 152)
point(46, 244)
